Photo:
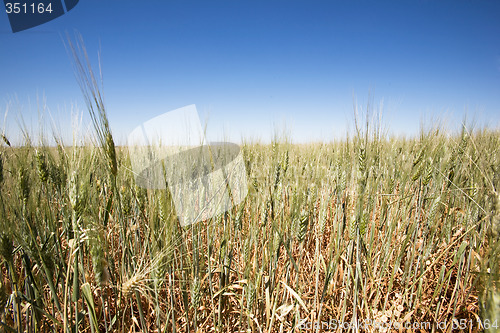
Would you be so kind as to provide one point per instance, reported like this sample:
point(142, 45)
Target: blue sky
point(256, 67)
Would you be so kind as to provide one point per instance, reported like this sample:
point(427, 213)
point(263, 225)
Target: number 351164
point(24, 8)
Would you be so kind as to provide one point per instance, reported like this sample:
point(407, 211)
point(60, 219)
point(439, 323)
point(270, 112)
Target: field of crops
point(394, 230)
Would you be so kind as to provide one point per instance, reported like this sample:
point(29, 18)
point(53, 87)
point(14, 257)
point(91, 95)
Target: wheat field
point(368, 228)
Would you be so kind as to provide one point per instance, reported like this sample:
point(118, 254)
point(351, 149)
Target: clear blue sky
point(253, 66)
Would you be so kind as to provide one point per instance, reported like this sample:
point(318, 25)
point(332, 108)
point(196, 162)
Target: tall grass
point(389, 229)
